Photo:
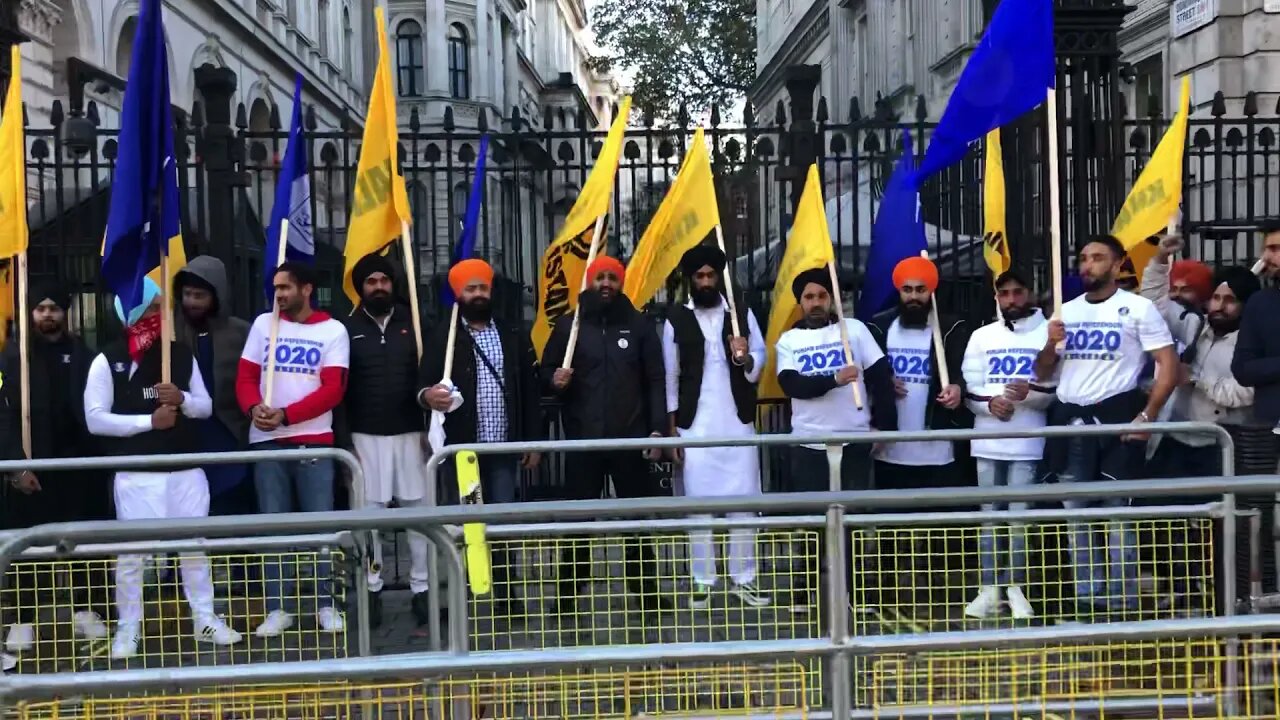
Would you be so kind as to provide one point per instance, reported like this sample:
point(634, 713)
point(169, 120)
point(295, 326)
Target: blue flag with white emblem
point(293, 201)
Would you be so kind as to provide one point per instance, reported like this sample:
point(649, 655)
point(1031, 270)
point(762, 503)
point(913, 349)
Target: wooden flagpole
point(411, 279)
point(24, 352)
point(281, 249)
point(939, 349)
point(728, 283)
point(577, 310)
point(166, 320)
point(1055, 204)
point(844, 330)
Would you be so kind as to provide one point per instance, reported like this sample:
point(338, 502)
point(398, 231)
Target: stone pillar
point(436, 31)
point(482, 88)
point(510, 67)
point(499, 66)
point(844, 84)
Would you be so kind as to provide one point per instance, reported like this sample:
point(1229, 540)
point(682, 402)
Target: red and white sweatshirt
point(312, 358)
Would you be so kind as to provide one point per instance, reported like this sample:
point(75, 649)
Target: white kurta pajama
point(717, 471)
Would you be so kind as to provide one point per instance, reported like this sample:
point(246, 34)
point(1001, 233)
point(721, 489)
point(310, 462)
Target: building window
point(348, 60)
point(461, 194)
point(323, 29)
point(124, 48)
point(459, 65)
point(1148, 86)
point(409, 67)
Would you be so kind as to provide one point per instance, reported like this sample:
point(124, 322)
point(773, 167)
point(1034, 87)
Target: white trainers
point(8, 662)
point(89, 625)
point(125, 643)
point(21, 637)
point(330, 620)
point(1019, 605)
point(986, 604)
point(277, 622)
point(214, 631)
point(751, 595)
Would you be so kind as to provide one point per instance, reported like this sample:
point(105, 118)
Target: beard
point(705, 297)
point(818, 317)
point(1094, 284)
point(1014, 313)
point(1222, 323)
point(378, 303)
point(476, 310)
point(913, 313)
point(49, 328)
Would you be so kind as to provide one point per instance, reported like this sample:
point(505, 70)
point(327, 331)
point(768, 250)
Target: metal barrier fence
point(837, 527)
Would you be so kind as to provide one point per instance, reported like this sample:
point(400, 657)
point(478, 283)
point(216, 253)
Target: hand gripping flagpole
point(844, 331)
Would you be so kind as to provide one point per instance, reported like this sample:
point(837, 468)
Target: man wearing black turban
point(59, 366)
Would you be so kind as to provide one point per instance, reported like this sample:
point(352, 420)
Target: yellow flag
point(995, 240)
point(1155, 196)
point(808, 247)
point(593, 201)
point(559, 281)
point(13, 166)
point(684, 218)
point(381, 202)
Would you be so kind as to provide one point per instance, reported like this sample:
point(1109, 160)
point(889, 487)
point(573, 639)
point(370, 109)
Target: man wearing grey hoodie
point(204, 323)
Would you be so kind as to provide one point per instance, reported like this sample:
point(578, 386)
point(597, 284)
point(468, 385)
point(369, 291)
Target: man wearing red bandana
point(125, 401)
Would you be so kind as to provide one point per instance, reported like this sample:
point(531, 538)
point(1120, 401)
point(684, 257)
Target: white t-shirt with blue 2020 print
point(909, 356)
point(820, 351)
point(1106, 346)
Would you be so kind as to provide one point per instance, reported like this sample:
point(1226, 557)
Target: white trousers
point(394, 467)
point(150, 496)
point(742, 553)
point(417, 555)
point(718, 472)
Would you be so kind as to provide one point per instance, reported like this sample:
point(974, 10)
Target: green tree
point(696, 52)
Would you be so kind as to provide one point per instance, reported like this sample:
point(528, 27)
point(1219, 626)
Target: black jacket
point(228, 335)
point(619, 385)
point(1257, 360)
point(519, 382)
point(955, 338)
point(382, 383)
point(58, 427)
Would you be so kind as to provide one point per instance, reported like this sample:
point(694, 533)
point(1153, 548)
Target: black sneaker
point(375, 608)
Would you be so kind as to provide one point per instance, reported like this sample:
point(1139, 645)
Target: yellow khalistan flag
point(13, 166)
point(684, 218)
point(808, 247)
point(593, 201)
point(559, 280)
point(1155, 196)
point(995, 238)
point(381, 204)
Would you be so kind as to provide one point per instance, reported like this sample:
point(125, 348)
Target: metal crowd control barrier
point(17, 541)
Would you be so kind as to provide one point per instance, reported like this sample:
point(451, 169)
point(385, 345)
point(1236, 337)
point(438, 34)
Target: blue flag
point(1009, 73)
point(144, 212)
point(898, 233)
point(471, 221)
point(292, 201)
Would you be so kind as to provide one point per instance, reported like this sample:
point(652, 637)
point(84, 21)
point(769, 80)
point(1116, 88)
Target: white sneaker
point(330, 620)
point(89, 625)
point(277, 622)
point(751, 595)
point(8, 662)
point(986, 604)
point(21, 637)
point(125, 643)
point(216, 632)
point(1019, 605)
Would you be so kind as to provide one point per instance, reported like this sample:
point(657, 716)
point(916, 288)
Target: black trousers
point(810, 473)
point(585, 475)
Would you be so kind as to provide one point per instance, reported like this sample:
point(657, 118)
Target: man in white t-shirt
point(813, 372)
point(998, 373)
point(1097, 350)
point(923, 402)
point(312, 353)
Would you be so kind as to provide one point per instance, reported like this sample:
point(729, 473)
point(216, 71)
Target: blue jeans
point(279, 484)
point(1007, 542)
point(1104, 561)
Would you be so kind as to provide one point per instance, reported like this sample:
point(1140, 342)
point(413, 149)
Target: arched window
point(348, 61)
point(323, 28)
point(124, 48)
point(460, 195)
point(410, 71)
point(459, 63)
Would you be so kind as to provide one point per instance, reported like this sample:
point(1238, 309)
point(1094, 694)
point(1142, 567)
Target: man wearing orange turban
point(492, 395)
point(614, 388)
point(923, 402)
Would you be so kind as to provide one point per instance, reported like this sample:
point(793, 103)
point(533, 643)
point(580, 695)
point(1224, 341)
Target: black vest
point(136, 396)
point(692, 345)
